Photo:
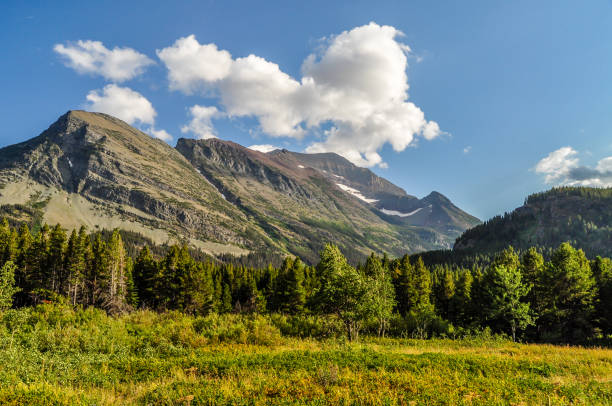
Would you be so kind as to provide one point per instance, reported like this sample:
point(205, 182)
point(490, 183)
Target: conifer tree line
point(567, 298)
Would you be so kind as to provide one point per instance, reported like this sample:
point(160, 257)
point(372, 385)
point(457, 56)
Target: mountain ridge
point(219, 196)
point(579, 215)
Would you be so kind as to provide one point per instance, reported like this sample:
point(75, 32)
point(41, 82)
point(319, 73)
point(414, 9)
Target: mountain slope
point(305, 200)
point(580, 215)
point(93, 169)
point(394, 205)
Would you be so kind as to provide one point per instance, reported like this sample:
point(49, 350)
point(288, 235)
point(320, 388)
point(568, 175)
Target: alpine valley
point(217, 196)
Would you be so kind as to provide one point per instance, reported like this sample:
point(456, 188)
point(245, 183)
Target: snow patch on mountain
point(400, 214)
point(355, 193)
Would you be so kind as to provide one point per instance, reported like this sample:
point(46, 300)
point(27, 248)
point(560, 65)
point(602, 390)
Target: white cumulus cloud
point(122, 102)
point(201, 121)
point(355, 90)
point(265, 148)
point(563, 167)
point(92, 57)
point(192, 65)
point(127, 105)
point(557, 164)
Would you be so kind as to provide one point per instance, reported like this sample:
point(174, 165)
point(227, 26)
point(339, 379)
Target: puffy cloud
point(256, 87)
point(201, 121)
point(605, 165)
point(563, 167)
point(122, 102)
point(265, 148)
point(92, 57)
point(557, 164)
point(127, 105)
point(356, 87)
point(191, 65)
point(467, 149)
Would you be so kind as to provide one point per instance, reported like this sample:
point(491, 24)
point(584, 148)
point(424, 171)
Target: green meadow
point(53, 354)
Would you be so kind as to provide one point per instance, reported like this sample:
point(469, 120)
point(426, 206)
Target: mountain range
point(93, 169)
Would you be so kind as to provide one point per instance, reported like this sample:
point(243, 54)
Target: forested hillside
point(579, 215)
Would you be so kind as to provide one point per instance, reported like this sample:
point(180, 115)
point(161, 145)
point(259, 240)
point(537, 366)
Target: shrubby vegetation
point(564, 299)
point(56, 354)
point(83, 322)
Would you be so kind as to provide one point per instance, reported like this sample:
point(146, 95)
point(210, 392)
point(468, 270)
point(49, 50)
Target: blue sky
point(520, 90)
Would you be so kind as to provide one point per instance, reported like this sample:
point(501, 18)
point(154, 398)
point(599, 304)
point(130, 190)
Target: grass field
point(54, 355)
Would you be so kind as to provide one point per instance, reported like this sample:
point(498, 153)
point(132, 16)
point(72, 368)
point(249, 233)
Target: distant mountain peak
point(437, 197)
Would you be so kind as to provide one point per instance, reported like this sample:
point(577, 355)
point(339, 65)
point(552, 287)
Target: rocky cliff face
point(434, 211)
point(314, 197)
point(93, 169)
point(123, 172)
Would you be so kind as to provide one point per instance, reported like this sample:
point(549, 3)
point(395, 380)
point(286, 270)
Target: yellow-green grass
point(54, 355)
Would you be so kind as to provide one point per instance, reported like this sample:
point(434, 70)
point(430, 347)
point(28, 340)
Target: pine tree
point(413, 285)
point(447, 294)
point(24, 242)
point(96, 275)
point(218, 298)
point(602, 271)
point(36, 259)
point(173, 275)
point(280, 294)
point(534, 274)
point(114, 279)
point(570, 297)
point(56, 279)
point(200, 292)
point(226, 299)
point(7, 244)
point(253, 299)
point(131, 292)
point(463, 297)
point(145, 277)
point(289, 294)
point(296, 294)
point(404, 283)
point(74, 264)
point(508, 258)
point(422, 282)
point(7, 285)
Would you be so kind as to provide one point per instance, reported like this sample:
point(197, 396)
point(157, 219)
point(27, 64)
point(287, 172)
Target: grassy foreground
point(54, 355)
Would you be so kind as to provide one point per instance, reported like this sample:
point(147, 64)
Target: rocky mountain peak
point(97, 170)
point(436, 197)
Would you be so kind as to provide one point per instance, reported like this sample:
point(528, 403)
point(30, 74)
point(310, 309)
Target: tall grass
point(53, 354)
